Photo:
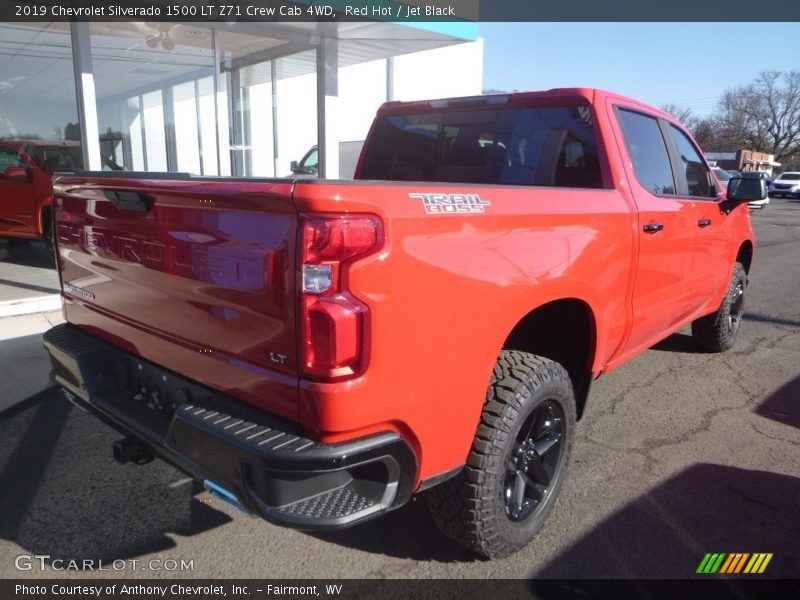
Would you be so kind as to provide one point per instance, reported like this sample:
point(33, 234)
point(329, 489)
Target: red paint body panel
point(443, 292)
point(22, 202)
point(202, 283)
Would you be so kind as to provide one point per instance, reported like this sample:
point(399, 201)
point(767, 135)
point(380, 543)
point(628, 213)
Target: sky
point(688, 64)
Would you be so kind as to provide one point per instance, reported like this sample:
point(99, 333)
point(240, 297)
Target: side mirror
point(746, 190)
point(293, 166)
point(16, 173)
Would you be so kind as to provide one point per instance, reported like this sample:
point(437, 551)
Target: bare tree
point(764, 115)
point(704, 129)
point(683, 114)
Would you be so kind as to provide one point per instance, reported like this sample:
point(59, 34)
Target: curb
point(29, 306)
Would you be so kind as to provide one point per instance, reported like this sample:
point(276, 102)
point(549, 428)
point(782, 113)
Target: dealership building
point(224, 98)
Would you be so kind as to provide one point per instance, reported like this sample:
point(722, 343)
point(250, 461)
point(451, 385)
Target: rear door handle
point(704, 222)
point(653, 227)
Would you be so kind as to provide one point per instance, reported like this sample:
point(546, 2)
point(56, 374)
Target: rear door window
point(698, 177)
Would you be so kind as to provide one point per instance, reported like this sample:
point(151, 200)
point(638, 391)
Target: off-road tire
point(717, 332)
point(477, 508)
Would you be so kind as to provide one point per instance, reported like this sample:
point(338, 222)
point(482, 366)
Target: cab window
point(698, 177)
point(10, 158)
point(545, 146)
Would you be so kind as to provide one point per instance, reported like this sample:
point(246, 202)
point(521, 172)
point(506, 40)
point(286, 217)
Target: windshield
point(64, 158)
point(722, 175)
point(790, 177)
point(549, 146)
point(310, 160)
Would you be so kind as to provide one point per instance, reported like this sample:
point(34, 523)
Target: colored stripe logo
point(734, 563)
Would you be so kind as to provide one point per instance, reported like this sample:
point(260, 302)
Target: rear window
point(552, 146)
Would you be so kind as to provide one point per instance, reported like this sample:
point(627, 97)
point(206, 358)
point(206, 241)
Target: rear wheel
point(518, 460)
point(717, 332)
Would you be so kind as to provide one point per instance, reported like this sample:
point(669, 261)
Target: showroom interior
point(241, 99)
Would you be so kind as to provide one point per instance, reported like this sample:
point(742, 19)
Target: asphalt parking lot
point(679, 453)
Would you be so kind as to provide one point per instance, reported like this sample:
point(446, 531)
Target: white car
point(787, 184)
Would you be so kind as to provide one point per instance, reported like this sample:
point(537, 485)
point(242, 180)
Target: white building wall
point(440, 73)
point(443, 72)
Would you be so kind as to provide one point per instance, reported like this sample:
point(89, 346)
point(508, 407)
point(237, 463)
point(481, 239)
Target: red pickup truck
point(318, 351)
point(26, 168)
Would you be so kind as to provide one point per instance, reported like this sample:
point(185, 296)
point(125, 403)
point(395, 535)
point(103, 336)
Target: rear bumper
point(266, 463)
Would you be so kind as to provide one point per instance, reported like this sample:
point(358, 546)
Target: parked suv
point(787, 184)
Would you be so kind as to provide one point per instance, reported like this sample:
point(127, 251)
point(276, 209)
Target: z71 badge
point(451, 204)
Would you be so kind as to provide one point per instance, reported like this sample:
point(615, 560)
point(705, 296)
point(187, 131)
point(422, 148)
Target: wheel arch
point(745, 255)
point(45, 218)
point(565, 331)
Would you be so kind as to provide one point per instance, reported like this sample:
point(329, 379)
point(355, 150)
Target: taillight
point(334, 324)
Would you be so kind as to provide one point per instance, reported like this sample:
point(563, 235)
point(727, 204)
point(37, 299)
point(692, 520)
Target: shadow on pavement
point(682, 342)
point(678, 342)
point(24, 369)
point(63, 495)
point(783, 405)
point(29, 286)
point(769, 319)
point(408, 532)
point(28, 254)
point(665, 533)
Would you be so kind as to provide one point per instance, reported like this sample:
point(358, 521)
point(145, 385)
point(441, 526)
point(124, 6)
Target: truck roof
point(591, 95)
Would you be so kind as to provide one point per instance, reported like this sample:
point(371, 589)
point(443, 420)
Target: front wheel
point(717, 332)
point(518, 460)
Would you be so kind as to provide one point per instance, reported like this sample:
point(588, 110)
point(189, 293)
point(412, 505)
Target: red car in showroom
point(26, 168)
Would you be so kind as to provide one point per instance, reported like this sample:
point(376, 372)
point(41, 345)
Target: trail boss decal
point(452, 204)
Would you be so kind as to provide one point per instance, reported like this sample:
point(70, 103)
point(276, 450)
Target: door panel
point(666, 231)
point(17, 214)
point(711, 263)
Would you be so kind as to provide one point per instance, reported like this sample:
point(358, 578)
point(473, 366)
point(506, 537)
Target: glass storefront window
point(208, 126)
point(187, 141)
point(133, 127)
point(253, 147)
point(154, 134)
point(37, 86)
point(296, 94)
point(147, 80)
point(170, 97)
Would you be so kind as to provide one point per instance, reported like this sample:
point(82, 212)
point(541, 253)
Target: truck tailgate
point(197, 275)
